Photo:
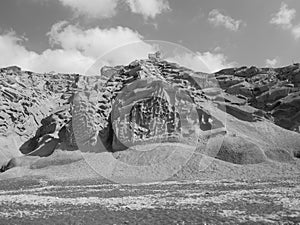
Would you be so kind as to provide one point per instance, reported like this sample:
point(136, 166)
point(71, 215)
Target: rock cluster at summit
point(36, 109)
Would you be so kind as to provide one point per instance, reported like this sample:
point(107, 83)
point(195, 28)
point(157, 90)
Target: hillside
point(247, 117)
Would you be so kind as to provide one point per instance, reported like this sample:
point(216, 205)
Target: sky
point(70, 36)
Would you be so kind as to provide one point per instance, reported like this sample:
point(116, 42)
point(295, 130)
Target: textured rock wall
point(39, 107)
point(276, 92)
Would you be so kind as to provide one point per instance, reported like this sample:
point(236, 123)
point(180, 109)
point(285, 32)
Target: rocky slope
point(275, 91)
point(255, 112)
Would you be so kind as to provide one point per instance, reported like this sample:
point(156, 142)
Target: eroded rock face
point(34, 107)
point(275, 91)
point(155, 112)
point(147, 101)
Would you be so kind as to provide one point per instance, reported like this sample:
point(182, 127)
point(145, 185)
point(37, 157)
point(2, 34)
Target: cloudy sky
point(69, 35)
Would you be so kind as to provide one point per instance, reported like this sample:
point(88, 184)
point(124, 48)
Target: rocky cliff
point(147, 101)
point(274, 91)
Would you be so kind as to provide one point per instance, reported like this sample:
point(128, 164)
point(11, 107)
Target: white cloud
point(284, 16)
point(218, 19)
point(189, 60)
point(76, 49)
point(61, 60)
point(203, 62)
point(100, 9)
point(91, 42)
point(81, 52)
point(217, 49)
point(148, 8)
point(216, 61)
point(92, 8)
point(271, 62)
point(14, 53)
point(296, 31)
point(122, 45)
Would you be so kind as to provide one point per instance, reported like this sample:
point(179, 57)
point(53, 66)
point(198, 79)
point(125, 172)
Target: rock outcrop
point(276, 92)
point(145, 102)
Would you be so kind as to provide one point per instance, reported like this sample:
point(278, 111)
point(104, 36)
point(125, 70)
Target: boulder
point(239, 150)
point(286, 112)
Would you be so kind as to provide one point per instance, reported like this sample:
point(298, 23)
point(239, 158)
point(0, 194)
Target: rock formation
point(275, 92)
point(147, 101)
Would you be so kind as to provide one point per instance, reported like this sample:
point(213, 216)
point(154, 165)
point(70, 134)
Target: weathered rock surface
point(35, 107)
point(275, 91)
point(148, 101)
